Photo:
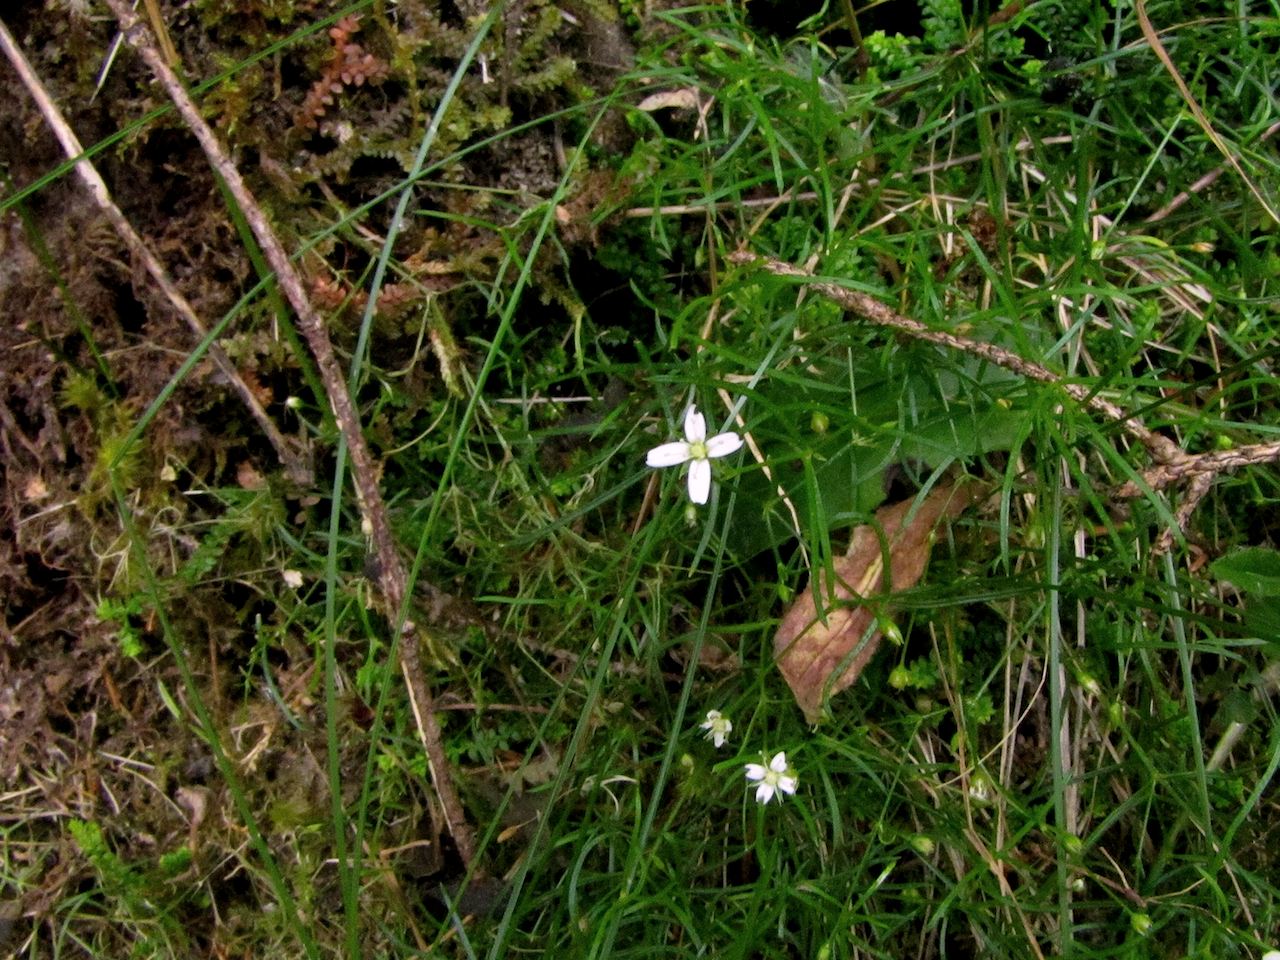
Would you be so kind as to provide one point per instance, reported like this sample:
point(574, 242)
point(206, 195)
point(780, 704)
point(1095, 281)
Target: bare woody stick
point(391, 573)
point(1173, 465)
point(1196, 465)
point(294, 459)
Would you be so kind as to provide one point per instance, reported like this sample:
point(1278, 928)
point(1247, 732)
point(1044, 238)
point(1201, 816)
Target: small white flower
point(718, 727)
point(697, 451)
point(1271, 955)
point(777, 777)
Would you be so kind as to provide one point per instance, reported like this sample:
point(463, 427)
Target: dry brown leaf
point(682, 98)
point(820, 659)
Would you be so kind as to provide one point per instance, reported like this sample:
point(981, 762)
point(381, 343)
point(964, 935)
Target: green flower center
point(698, 450)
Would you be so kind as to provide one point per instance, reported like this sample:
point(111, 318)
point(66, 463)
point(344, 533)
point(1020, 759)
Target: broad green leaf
point(1254, 570)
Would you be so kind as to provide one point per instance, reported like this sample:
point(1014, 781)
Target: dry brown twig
point(1153, 41)
point(293, 456)
point(1204, 182)
point(391, 578)
point(1172, 465)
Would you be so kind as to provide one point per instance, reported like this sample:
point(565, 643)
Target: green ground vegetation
point(1066, 747)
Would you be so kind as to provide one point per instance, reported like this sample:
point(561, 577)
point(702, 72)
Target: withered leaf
point(819, 659)
point(683, 98)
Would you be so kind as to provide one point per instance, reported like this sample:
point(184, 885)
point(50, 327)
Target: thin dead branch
point(1161, 448)
point(391, 578)
point(1172, 464)
point(1189, 467)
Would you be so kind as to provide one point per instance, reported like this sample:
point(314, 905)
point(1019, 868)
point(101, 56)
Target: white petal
point(695, 426)
point(699, 480)
point(788, 784)
point(755, 771)
point(668, 454)
point(764, 793)
point(718, 739)
point(723, 444)
point(779, 762)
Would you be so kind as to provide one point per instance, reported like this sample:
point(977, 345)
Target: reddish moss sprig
point(350, 66)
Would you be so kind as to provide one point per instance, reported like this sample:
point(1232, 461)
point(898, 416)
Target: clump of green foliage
point(1068, 750)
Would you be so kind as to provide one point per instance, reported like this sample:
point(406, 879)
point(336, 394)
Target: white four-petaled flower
point(777, 778)
point(718, 727)
point(697, 451)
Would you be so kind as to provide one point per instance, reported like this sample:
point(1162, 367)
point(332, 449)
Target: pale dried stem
point(1153, 41)
point(1204, 182)
point(759, 457)
point(750, 439)
point(391, 573)
point(294, 458)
